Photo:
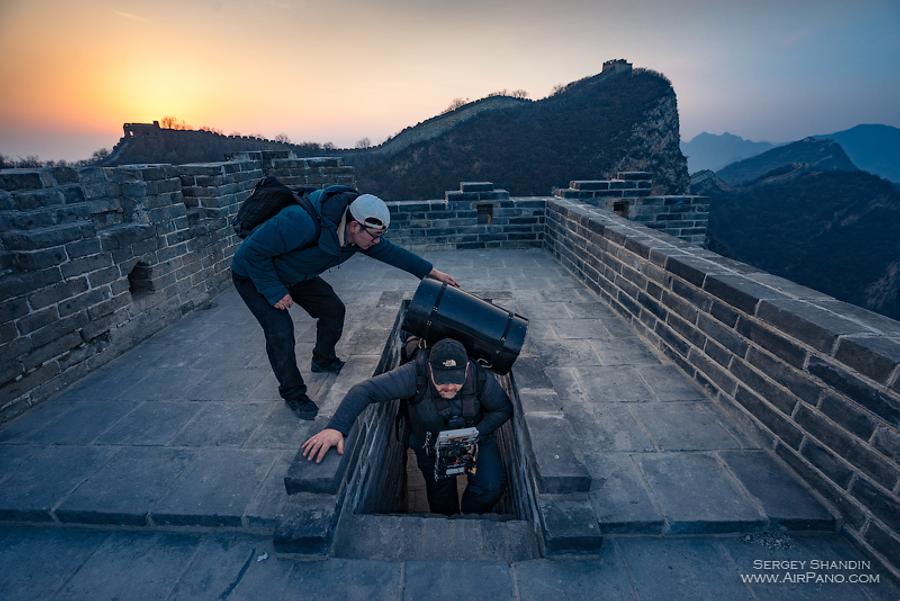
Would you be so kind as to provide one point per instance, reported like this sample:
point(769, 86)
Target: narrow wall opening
point(139, 280)
point(390, 481)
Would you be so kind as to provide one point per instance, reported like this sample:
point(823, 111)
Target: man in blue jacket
point(279, 264)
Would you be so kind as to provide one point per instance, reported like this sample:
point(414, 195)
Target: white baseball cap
point(370, 211)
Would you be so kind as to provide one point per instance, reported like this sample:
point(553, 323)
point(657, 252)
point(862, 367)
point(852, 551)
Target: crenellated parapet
point(96, 259)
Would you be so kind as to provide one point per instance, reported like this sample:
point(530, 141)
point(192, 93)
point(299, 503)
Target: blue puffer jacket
point(281, 252)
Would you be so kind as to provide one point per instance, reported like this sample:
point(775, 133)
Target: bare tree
point(172, 122)
point(282, 137)
point(456, 103)
point(99, 155)
point(558, 89)
point(519, 94)
point(211, 129)
point(328, 146)
point(363, 142)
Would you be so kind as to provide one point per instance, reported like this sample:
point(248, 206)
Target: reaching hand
point(284, 303)
point(440, 276)
point(321, 442)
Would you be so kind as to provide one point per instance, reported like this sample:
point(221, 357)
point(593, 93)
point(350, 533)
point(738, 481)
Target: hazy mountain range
point(871, 147)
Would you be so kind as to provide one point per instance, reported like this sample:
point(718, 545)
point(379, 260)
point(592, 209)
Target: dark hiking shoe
point(334, 366)
point(303, 407)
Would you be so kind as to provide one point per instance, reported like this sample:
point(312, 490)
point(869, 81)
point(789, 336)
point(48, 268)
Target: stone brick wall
point(94, 260)
point(628, 195)
point(476, 216)
point(817, 378)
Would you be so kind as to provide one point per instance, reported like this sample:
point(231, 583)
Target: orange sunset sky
point(337, 71)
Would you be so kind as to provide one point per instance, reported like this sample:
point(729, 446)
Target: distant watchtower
point(140, 129)
point(617, 65)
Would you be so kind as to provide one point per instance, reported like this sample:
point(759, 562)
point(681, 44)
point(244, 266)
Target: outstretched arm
point(395, 384)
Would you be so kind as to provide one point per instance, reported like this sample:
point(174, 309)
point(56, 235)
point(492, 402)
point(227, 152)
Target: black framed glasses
point(365, 228)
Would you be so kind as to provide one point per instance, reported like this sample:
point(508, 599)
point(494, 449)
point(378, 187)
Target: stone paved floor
point(75, 563)
point(187, 430)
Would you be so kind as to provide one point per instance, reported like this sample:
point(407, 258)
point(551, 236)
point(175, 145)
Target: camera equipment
point(456, 452)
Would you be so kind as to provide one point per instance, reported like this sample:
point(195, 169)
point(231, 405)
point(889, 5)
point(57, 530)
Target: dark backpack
point(270, 196)
point(413, 349)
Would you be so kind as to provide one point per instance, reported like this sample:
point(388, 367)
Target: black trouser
point(484, 488)
point(319, 300)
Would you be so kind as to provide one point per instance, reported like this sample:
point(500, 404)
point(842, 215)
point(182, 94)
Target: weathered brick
point(724, 336)
point(875, 357)
point(883, 541)
point(847, 414)
point(806, 322)
point(853, 514)
point(37, 319)
point(82, 248)
point(720, 377)
point(85, 264)
point(778, 398)
point(887, 440)
point(40, 259)
point(57, 292)
point(28, 382)
point(871, 398)
point(797, 382)
point(771, 418)
point(844, 445)
point(772, 342)
point(83, 301)
point(12, 309)
point(879, 501)
point(58, 329)
point(827, 462)
point(56, 347)
point(104, 276)
point(739, 292)
point(20, 179)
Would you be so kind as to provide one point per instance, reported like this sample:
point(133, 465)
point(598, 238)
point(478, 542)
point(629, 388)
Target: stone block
point(887, 440)
point(683, 426)
point(847, 447)
point(777, 422)
point(47, 237)
point(882, 503)
point(620, 500)
point(13, 309)
point(306, 525)
point(129, 562)
point(784, 501)
point(797, 382)
point(325, 477)
point(872, 356)
point(124, 490)
point(697, 495)
point(476, 186)
point(882, 540)
point(668, 569)
point(20, 179)
point(196, 498)
point(780, 399)
point(556, 467)
point(569, 526)
point(372, 580)
point(826, 462)
point(851, 512)
point(152, 423)
point(81, 248)
point(848, 414)
point(740, 292)
point(57, 292)
point(589, 185)
point(40, 259)
point(870, 397)
point(774, 343)
point(38, 484)
point(808, 323)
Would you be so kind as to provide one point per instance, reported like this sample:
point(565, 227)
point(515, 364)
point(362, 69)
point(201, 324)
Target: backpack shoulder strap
point(421, 360)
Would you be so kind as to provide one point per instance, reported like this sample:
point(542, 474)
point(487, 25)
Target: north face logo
point(449, 363)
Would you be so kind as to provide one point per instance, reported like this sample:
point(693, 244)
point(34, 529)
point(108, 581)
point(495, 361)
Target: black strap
point(434, 310)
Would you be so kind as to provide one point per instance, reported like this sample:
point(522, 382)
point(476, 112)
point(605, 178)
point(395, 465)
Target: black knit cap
point(448, 359)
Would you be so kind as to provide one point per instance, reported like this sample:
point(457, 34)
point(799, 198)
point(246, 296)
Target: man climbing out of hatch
point(279, 264)
point(454, 407)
